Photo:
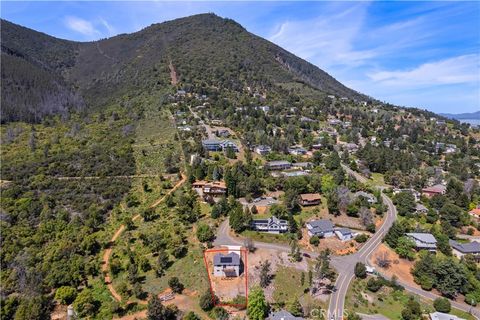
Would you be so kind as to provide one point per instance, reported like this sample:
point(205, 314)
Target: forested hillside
point(204, 49)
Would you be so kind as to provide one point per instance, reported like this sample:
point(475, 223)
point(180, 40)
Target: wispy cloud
point(327, 39)
point(461, 69)
point(82, 26)
point(110, 29)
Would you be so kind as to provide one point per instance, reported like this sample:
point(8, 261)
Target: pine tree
point(257, 305)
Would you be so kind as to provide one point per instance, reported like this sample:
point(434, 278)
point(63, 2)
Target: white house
point(423, 241)
point(226, 265)
point(270, 225)
point(344, 234)
point(321, 228)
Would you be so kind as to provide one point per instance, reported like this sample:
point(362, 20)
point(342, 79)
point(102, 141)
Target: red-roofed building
point(475, 213)
point(434, 190)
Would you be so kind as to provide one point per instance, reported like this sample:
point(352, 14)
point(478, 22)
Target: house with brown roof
point(310, 199)
point(214, 188)
point(434, 190)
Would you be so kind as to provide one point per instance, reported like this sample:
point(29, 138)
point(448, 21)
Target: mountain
point(463, 116)
point(44, 75)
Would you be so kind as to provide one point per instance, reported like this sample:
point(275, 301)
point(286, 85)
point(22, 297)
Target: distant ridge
point(461, 116)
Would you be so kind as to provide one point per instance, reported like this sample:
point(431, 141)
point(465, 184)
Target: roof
point(365, 195)
point(443, 316)
point(211, 141)
point(271, 220)
point(423, 237)
point(302, 164)
point(470, 247)
point(475, 212)
point(438, 188)
point(283, 315)
point(278, 162)
point(344, 231)
point(322, 225)
point(420, 207)
point(310, 196)
point(231, 259)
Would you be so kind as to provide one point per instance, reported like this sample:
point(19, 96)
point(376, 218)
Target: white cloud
point(81, 26)
point(460, 69)
point(111, 30)
point(327, 39)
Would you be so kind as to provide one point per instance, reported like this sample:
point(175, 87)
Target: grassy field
point(288, 284)
point(266, 237)
point(377, 179)
point(385, 302)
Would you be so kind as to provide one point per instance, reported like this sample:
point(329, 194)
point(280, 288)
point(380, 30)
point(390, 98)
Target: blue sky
point(420, 54)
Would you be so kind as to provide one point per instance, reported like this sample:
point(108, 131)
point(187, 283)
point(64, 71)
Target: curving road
point(345, 264)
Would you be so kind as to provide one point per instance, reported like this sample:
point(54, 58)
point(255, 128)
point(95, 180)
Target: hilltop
point(45, 75)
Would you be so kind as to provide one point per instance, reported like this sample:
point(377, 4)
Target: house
point(344, 234)
point(421, 209)
point(225, 144)
point(334, 122)
point(216, 122)
point(443, 316)
point(278, 165)
point(434, 190)
point(262, 150)
point(214, 189)
point(414, 192)
point(227, 265)
point(309, 199)
point(303, 165)
point(475, 213)
point(270, 225)
point(212, 144)
point(370, 197)
point(222, 133)
point(306, 119)
point(282, 315)
point(461, 249)
point(264, 108)
point(321, 228)
point(423, 241)
point(296, 173)
point(351, 147)
point(297, 151)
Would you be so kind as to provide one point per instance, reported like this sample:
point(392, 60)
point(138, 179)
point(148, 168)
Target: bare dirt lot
point(277, 259)
point(399, 267)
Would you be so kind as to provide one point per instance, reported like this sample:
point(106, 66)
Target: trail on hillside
point(108, 252)
point(173, 73)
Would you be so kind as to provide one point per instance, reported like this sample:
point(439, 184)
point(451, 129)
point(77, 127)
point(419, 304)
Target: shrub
point(374, 285)
point(65, 295)
point(360, 270)
point(314, 240)
point(361, 238)
point(442, 305)
point(175, 285)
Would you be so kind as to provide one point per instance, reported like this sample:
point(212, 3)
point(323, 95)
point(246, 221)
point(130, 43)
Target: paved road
point(345, 264)
point(337, 305)
point(346, 269)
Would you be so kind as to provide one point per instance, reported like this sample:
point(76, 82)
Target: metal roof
point(423, 237)
point(283, 315)
point(322, 225)
point(470, 247)
point(231, 259)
